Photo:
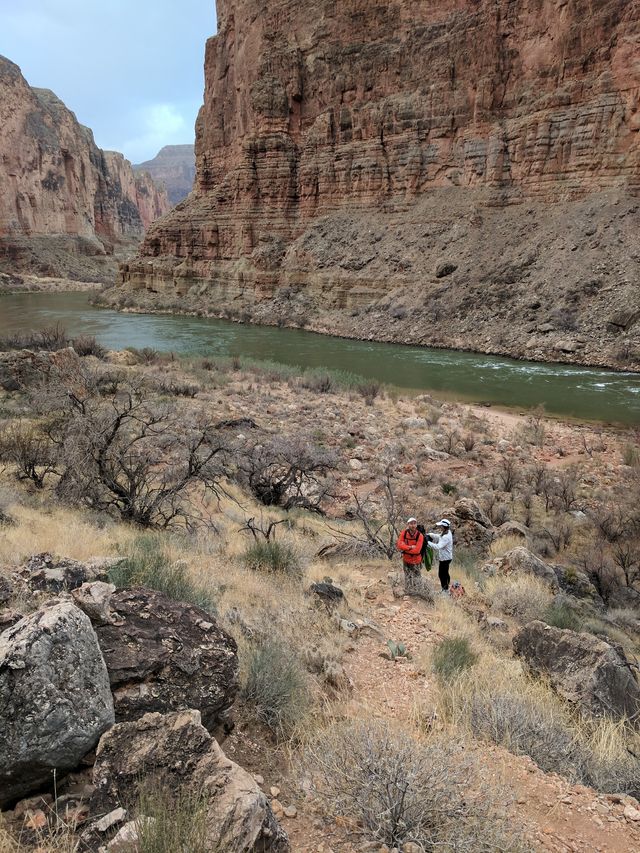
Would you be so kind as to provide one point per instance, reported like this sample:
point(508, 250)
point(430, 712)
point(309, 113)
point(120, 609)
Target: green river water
point(586, 393)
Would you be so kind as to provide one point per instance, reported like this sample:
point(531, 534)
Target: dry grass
point(501, 546)
point(524, 597)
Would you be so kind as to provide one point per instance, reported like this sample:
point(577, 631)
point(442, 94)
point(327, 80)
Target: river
point(585, 393)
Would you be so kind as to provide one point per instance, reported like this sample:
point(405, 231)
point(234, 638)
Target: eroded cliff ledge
point(66, 207)
point(458, 173)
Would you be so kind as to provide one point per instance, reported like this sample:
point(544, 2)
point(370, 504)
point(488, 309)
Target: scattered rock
point(9, 618)
point(55, 700)
point(330, 594)
point(164, 655)
point(93, 599)
point(632, 814)
point(109, 820)
point(445, 269)
point(466, 509)
point(46, 573)
point(291, 811)
point(514, 529)
point(494, 623)
point(179, 749)
point(6, 589)
point(582, 668)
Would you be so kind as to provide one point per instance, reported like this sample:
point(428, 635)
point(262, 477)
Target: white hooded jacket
point(443, 545)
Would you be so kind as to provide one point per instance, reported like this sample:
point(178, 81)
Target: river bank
point(395, 321)
point(39, 284)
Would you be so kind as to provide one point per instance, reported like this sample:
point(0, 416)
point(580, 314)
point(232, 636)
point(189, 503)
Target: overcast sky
point(131, 70)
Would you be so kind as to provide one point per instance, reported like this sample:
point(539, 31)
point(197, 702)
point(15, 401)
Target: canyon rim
point(453, 174)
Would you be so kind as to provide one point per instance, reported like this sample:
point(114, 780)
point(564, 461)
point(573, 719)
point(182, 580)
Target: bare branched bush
point(30, 451)
point(51, 338)
point(288, 473)
point(401, 790)
point(88, 345)
point(380, 517)
point(508, 473)
point(369, 391)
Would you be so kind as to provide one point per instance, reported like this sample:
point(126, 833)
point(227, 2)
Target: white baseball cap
point(409, 520)
point(444, 523)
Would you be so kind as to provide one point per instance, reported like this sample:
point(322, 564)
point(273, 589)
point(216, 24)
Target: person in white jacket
point(442, 544)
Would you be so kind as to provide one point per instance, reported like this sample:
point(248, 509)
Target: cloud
point(161, 124)
point(131, 71)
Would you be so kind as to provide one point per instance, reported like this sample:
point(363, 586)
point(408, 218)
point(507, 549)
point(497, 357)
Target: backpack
point(426, 553)
point(456, 590)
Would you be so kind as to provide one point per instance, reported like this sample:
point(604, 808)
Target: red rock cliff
point(378, 116)
point(59, 193)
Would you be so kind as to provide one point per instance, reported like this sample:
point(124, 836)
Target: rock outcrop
point(582, 668)
point(177, 752)
point(173, 167)
point(162, 655)
point(360, 163)
point(66, 206)
point(521, 560)
point(55, 699)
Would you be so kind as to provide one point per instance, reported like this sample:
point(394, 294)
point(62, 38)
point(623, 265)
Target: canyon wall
point(455, 172)
point(173, 167)
point(66, 206)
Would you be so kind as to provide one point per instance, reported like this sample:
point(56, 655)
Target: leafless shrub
point(87, 345)
point(400, 790)
point(321, 383)
point(560, 533)
point(508, 473)
point(50, 338)
point(288, 473)
point(566, 484)
point(380, 517)
point(29, 451)
point(369, 391)
point(448, 440)
point(469, 442)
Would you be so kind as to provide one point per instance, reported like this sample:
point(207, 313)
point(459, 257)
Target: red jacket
point(411, 546)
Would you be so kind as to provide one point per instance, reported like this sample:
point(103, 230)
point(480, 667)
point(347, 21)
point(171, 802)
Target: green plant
point(560, 615)
point(273, 556)
point(146, 563)
point(277, 684)
point(449, 488)
point(395, 650)
point(453, 656)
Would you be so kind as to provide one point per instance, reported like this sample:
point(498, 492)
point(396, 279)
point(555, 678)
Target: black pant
point(443, 573)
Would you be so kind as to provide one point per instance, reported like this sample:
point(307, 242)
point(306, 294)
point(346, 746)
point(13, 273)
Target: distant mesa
point(67, 208)
point(175, 167)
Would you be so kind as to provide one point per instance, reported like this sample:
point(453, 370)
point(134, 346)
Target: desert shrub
point(560, 615)
point(88, 345)
point(503, 544)
point(170, 821)
point(50, 338)
point(524, 597)
point(369, 391)
point(273, 556)
point(625, 617)
point(144, 355)
point(449, 488)
point(30, 451)
point(147, 563)
point(631, 455)
point(277, 684)
point(398, 789)
point(453, 656)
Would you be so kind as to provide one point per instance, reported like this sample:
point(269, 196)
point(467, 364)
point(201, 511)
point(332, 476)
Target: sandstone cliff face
point(174, 166)
point(354, 154)
point(61, 197)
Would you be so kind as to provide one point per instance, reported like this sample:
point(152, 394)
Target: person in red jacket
point(410, 543)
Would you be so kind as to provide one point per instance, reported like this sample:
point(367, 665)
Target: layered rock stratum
point(461, 173)
point(67, 208)
point(173, 167)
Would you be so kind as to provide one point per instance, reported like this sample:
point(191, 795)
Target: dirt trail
point(561, 817)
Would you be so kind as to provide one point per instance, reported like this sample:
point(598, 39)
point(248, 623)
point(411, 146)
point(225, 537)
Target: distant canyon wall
point(63, 201)
point(356, 158)
point(173, 167)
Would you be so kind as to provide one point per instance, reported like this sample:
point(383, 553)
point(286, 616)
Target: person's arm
point(401, 545)
point(417, 548)
point(436, 542)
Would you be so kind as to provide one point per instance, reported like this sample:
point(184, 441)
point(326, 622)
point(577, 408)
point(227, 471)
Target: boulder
point(328, 593)
point(94, 598)
point(514, 529)
point(46, 573)
point(576, 583)
point(164, 655)
point(178, 751)
point(21, 369)
point(523, 561)
point(466, 509)
point(55, 700)
point(583, 669)
point(6, 589)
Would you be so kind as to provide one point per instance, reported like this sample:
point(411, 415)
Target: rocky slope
point(175, 167)
point(472, 167)
point(66, 206)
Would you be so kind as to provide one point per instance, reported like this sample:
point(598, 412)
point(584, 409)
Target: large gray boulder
point(55, 700)
point(177, 750)
point(582, 668)
point(162, 655)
